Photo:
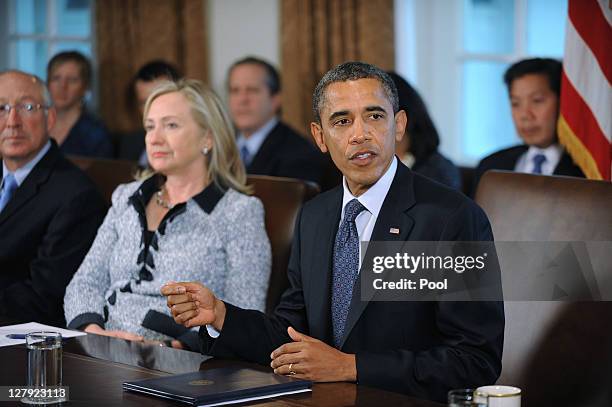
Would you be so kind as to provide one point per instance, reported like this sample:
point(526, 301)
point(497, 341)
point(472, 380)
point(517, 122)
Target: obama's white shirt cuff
point(212, 332)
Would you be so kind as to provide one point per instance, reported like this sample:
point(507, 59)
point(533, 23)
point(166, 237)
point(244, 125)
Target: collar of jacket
point(206, 200)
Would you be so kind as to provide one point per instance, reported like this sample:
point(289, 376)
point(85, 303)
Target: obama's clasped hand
point(193, 304)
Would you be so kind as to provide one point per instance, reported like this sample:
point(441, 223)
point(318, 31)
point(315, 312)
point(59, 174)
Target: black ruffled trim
point(81, 321)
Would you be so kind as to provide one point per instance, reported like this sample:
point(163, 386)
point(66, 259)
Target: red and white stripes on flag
point(585, 121)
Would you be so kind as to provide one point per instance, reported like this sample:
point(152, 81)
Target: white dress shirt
point(372, 200)
point(552, 153)
point(254, 142)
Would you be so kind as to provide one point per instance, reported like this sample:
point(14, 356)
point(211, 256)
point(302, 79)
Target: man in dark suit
point(534, 87)
point(131, 146)
point(267, 145)
point(49, 209)
point(322, 330)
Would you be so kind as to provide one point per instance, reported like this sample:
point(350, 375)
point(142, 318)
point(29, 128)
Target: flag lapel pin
point(394, 231)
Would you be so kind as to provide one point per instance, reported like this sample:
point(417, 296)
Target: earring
point(205, 151)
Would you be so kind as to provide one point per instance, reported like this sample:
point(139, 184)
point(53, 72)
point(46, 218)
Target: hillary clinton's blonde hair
point(224, 165)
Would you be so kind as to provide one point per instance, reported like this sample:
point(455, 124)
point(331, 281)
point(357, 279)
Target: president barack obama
point(322, 330)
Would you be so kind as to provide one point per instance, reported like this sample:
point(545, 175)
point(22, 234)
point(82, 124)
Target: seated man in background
point(267, 145)
point(49, 209)
point(132, 146)
point(534, 89)
point(320, 331)
point(76, 131)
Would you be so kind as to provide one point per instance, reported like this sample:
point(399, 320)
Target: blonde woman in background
point(190, 220)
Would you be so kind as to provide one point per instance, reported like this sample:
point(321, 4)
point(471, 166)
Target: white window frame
point(430, 55)
point(51, 36)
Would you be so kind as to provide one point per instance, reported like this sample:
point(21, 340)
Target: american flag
point(585, 121)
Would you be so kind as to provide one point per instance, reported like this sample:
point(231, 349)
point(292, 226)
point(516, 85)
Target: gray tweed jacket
point(217, 238)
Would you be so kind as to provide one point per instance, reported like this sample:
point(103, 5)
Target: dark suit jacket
point(45, 231)
point(88, 138)
point(506, 160)
point(284, 153)
point(439, 168)
point(130, 146)
point(419, 348)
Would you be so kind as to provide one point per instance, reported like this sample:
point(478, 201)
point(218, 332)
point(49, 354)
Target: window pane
point(30, 56)
point(30, 16)
point(486, 120)
point(488, 26)
point(546, 27)
point(73, 17)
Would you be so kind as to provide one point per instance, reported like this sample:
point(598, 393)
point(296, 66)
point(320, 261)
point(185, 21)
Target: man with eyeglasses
point(49, 209)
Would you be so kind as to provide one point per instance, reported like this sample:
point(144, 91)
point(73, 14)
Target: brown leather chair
point(582, 375)
point(106, 174)
point(525, 207)
point(282, 199)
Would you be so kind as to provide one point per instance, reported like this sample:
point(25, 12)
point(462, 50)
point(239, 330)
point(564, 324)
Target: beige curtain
point(319, 34)
point(131, 33)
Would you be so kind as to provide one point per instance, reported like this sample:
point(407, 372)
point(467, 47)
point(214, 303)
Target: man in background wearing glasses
point(49, 209)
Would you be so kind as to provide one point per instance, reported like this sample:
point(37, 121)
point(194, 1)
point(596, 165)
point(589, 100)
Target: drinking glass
point(44, 367)
point(467, 398)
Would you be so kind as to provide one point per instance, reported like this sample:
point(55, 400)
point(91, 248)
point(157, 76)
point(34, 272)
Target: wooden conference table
point(94, 368)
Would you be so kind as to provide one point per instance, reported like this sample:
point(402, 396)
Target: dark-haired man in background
point(322, 330)
point(132, 146)
point(534, 88)
point(49, 209)
point(267, 145)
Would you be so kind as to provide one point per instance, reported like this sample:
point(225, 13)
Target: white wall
point(237, 28)
point(427, 45)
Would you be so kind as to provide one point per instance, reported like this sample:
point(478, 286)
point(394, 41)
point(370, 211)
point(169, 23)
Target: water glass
point(44, 366)
point(467, 398)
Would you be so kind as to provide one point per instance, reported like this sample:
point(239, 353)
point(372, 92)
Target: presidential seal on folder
point(218, 386)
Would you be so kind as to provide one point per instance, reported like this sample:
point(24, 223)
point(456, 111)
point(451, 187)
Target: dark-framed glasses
point(22, 109)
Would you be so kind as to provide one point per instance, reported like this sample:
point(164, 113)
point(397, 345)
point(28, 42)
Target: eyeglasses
point(22, 109)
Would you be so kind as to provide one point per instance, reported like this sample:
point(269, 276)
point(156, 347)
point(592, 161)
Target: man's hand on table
point(311, 359)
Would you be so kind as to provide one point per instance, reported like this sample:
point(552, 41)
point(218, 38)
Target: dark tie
point(538, 160)
point(345, 268)
point(245, 155)
point(10, 185)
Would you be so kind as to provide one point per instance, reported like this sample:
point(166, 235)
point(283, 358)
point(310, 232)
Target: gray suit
point(217, 238)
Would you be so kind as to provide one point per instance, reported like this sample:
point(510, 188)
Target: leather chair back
point(525, 207)
point(106, 174)
point(282, 199)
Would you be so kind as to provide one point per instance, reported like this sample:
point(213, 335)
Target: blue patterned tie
point(245, 155)
point(538, 160)
point(10, 185)
point(345, 268)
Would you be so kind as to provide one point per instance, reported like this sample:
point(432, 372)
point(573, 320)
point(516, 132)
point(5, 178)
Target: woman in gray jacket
point(190, 220)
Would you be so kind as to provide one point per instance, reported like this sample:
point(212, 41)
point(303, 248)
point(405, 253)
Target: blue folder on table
point(219, 386)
